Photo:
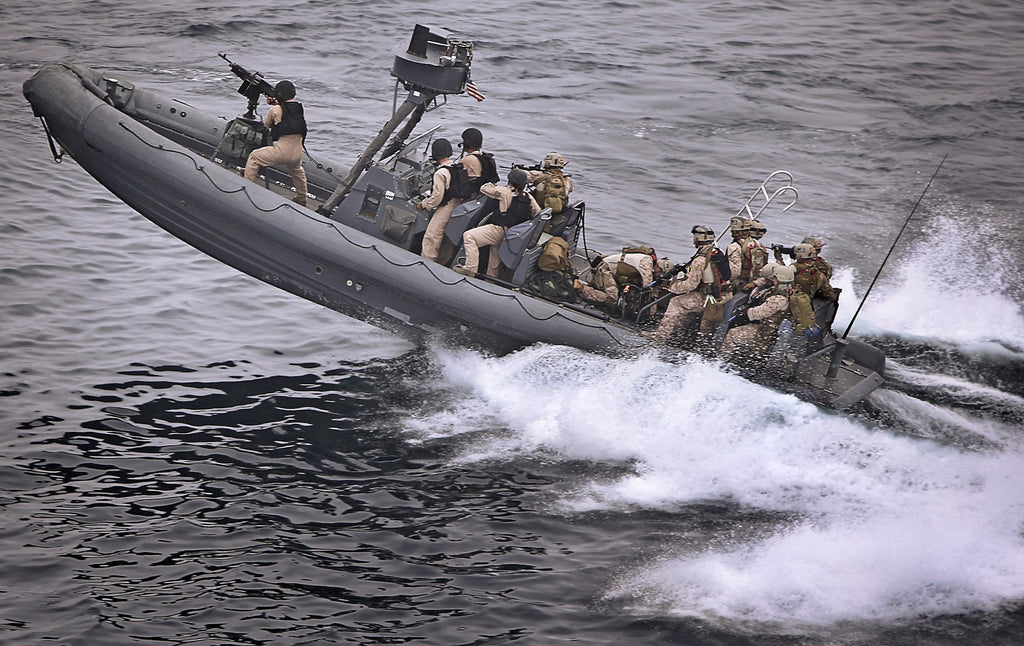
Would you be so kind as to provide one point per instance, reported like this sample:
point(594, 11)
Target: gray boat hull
point(149, 151)
point(268, 237)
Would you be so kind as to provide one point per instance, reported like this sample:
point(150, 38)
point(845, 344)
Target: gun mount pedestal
point(432, 65)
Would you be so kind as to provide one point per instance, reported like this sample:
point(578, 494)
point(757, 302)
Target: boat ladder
point(762, 192)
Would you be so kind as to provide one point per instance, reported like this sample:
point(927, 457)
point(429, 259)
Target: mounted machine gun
point(253, 87)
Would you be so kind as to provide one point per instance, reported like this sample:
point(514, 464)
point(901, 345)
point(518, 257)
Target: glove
point(812, 332)
point(671, 273)
point(739, 318)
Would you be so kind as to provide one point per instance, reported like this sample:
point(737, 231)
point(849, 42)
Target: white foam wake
point(892, 526)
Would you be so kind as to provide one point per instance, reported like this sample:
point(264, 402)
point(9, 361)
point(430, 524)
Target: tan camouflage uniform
point(750, 339)
point(689, 304)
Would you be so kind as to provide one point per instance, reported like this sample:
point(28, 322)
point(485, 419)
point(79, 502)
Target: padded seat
point(522, 241)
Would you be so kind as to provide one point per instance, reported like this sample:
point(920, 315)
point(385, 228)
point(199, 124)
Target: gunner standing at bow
point(287, 123)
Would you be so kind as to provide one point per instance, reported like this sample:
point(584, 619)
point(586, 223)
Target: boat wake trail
point(855, 524)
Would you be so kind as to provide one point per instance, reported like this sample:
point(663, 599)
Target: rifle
point(525, 167)
point(779, 250)
point(253, 86)
point(671, 273)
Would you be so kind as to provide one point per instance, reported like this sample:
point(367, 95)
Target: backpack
point(555, 193)
point(460, 186)
point(554, 256)
point(488, 169)
point(627, 274)
point(801, 311)
point(555, 285)
point(722, 263)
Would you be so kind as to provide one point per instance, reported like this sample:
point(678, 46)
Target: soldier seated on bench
point(515, 205)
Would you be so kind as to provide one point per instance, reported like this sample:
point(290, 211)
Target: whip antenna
point(886, 259)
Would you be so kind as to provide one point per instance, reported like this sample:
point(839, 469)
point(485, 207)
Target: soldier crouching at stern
point(692, 288)
point(754, 328)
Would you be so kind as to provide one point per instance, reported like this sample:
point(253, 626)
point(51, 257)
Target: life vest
point(553, 191)
point(447, 191)
point(293, 121)
point(519, 211)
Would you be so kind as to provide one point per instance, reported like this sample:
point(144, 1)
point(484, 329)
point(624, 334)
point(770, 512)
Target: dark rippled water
point(192, 457)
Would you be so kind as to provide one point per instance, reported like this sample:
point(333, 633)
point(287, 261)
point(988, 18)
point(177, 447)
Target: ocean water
point(190, 456)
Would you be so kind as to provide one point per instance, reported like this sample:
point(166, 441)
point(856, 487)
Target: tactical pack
point(554, 256)
point(722, 263)
point(627, 274)
point(755, 257)
point(241, 137)
point(554, 192)
point(488, 170)
point(460, 187)
point(801, 311)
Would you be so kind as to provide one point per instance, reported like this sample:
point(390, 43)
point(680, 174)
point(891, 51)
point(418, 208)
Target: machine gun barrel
point(253, 86)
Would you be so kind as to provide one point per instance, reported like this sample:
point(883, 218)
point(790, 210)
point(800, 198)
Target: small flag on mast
point(473, 91)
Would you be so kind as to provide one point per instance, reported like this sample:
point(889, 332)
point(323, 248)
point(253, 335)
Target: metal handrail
point(762, 191)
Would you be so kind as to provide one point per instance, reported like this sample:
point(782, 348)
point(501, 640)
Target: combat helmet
point(785, 274)
point(739, 225)
point(769, 270)
point(440, 149)
point(815, 242)
point(472, 138)
point(803, 251)
point(517, 177)
point(702, 235)
point(757, 230)
point(284, 90)
point(554, 160)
